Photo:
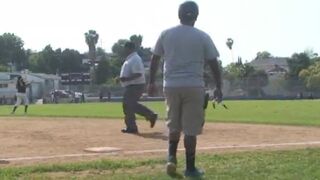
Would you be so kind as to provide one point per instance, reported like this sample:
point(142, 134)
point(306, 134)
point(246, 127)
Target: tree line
point(304, 67)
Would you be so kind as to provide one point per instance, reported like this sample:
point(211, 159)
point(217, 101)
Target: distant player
point(21, 95)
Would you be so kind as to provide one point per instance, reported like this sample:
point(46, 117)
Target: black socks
point(190, 143)
point(14, 109)
point(173, 146)
point(25, 109)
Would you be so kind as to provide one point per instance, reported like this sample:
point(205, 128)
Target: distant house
point(271, 65)
point(276, 68)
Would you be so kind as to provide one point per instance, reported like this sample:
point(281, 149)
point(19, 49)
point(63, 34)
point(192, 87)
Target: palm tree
point(230, 44)
point(91, 40)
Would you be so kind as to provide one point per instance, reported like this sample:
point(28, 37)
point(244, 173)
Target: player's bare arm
point(153, 71)
point(214, 66)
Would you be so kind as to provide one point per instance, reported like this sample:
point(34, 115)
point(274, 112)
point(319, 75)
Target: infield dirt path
point(23, 137)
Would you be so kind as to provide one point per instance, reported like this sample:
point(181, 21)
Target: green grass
point(293, 165)
point(295, 112)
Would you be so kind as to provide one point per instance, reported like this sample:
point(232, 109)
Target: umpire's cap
point(188, 11)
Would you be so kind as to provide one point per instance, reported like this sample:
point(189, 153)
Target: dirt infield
point(26, 140)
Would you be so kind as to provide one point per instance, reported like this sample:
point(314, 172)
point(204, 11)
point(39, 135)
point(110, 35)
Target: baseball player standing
point(21, 95)
point(185, 50)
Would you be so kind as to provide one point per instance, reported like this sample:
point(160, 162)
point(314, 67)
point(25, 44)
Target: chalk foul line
point(158, 151)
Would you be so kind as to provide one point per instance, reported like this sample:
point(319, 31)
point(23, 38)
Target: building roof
point(277, 69)
point(46, 76)
point(9, 75)
point(269, 64)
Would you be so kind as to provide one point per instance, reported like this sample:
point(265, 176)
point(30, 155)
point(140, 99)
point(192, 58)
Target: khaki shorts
point(185, 109)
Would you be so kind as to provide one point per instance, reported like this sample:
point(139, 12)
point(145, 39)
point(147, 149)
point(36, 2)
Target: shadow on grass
point(176, 176)
point(180, 176)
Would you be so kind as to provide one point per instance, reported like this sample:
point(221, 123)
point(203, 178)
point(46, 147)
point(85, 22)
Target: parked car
point(61, 96)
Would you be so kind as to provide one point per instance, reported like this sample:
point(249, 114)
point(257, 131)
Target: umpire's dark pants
point(131, 106)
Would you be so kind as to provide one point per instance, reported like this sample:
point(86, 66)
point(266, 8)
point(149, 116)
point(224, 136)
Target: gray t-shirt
point(132, 65)
point(184, 50)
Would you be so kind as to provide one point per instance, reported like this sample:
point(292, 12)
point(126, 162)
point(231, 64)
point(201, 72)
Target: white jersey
point(132, 65)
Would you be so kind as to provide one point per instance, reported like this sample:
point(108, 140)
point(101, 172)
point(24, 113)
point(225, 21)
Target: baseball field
point(249, 140)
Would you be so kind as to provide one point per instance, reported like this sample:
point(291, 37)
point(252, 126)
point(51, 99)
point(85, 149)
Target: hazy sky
point(281, 27)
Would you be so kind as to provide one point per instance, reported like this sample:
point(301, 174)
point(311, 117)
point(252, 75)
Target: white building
point(41, 85)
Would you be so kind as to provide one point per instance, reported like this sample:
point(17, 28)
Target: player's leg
point(173, 103)
point(137, 91)
point(18, 102)
point(173, 142)
point(26, 103)
point(192, 122)
point(128, 110)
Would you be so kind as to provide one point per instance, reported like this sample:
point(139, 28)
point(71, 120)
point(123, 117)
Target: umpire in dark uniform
point(132, 78)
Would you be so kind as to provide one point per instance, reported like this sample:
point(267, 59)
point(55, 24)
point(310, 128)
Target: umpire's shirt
point(132, 65)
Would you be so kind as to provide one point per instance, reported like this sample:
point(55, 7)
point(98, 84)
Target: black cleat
point(129, 131)
point(197, 173)
point(153, 120)
point(171, 166)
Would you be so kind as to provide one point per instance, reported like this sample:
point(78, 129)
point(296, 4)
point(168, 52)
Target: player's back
point(184, 54)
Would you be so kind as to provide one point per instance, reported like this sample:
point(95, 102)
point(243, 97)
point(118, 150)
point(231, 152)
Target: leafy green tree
point(46, 61)
point(101, 52)
point(311, 77)
point(263, 55)
point(315, 60)
point(310, 53)
point(244, 76)
point(12, 52)
point(33, 62)
point(71, 61)
point(238, 71)
point(118, 57)
point(50, 60)
point(256, 80)
point(118, 48)
point(103, 71)
point(115, 66)
point(297, 62)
